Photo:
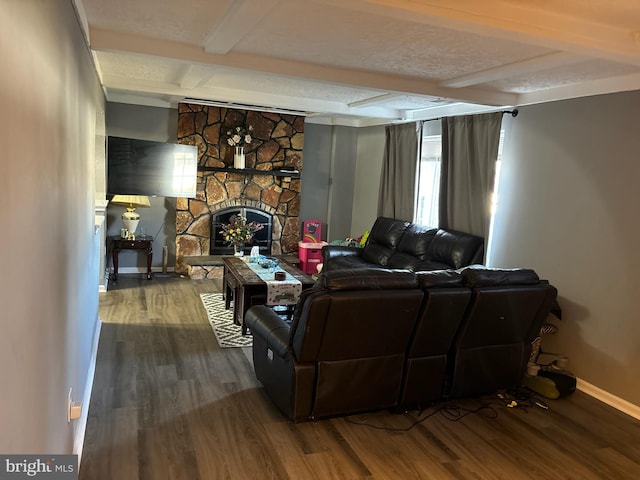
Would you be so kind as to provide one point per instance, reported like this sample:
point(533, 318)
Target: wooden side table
point(140, 243)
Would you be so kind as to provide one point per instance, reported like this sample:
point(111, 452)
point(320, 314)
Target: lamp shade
point(131, 218)
point(131, 201)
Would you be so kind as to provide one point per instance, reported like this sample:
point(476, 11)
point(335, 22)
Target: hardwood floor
point(168, 403)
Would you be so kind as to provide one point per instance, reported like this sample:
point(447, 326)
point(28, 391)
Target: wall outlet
point(74, 409)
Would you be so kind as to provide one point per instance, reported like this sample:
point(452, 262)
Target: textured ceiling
point(362, 62)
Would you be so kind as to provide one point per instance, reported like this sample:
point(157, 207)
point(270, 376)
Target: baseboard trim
point(81, 427)
point(608, 398)
point(104, 286)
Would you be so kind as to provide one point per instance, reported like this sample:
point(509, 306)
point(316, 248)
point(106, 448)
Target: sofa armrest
point(266, 324)
point(333, 251)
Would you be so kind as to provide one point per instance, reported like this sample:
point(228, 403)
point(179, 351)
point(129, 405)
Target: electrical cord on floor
point(391, 429)
point(450, 411)
point(453, 412)
point(523, 399)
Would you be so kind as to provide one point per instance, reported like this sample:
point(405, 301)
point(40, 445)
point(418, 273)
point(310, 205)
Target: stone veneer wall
point(278, 142)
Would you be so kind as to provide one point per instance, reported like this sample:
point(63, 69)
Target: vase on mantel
point(238, 158)
point(238, 249)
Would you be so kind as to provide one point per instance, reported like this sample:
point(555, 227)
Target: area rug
point(227, 333)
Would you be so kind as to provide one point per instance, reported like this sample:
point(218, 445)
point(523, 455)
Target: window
point(429, 181)
point(428, 188)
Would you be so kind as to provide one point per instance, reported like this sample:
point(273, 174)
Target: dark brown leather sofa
point(504, 316)
point(345, 349)
point(372, 338)
point(399, 244)
point(444, 305)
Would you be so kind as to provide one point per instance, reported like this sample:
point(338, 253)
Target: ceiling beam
point(109, 41)
point(193, 75)
point(230, 95)
point(624, 83)
point(522, 22)
point(514, 69)
point(375, 100)
point(240, 18)
point(437, 112)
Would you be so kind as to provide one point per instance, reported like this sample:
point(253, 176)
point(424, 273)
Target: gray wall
point(155, 124)
point(568, 207)
point(341, 188)
point(371, 142)
point(316, 174)
point(144, 123)
point(328, 178)
point(51, 102)
point(341, 178)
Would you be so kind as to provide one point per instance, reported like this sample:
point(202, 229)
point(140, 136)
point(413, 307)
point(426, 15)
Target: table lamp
point(131, 218)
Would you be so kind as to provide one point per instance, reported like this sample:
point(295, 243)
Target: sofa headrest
point(481, 276)
point(367, 279)
point(440, 278)
point(456, 249)
point(416, 240)
point(387, 231)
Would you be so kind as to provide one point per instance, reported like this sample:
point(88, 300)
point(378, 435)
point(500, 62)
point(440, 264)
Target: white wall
point(568, 207)
point(50, 100)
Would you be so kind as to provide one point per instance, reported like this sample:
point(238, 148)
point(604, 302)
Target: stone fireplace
point(270, 183)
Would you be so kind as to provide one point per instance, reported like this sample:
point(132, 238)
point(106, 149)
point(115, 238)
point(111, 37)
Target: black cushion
point(440, 278)
point(338, 263)
point(456, 249)
point(416, 240)
point(402, 261)
point(377, 253)
point(383, 240)
point(428, 265)
point(367, 279)
point(398, 244)
point(387, 231)
point(481, 276)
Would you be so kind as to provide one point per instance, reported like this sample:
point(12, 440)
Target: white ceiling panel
point(363, 61)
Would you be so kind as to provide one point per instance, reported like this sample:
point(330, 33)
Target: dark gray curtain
point(398, 180)
point(469, 153)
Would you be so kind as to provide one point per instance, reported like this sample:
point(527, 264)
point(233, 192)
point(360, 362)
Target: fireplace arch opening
point(262, 238)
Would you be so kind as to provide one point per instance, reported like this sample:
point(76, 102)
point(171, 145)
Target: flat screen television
point(143, 167)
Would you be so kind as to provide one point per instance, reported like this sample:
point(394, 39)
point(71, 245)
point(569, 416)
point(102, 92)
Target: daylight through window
point(428, 188)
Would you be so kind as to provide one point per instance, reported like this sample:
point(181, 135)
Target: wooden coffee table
point(248, 289)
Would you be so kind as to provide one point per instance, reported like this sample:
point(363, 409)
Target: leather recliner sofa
point(398, 244)
point(371, 338)
point(445, 302)
point(504, 316)
point(345, 349)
